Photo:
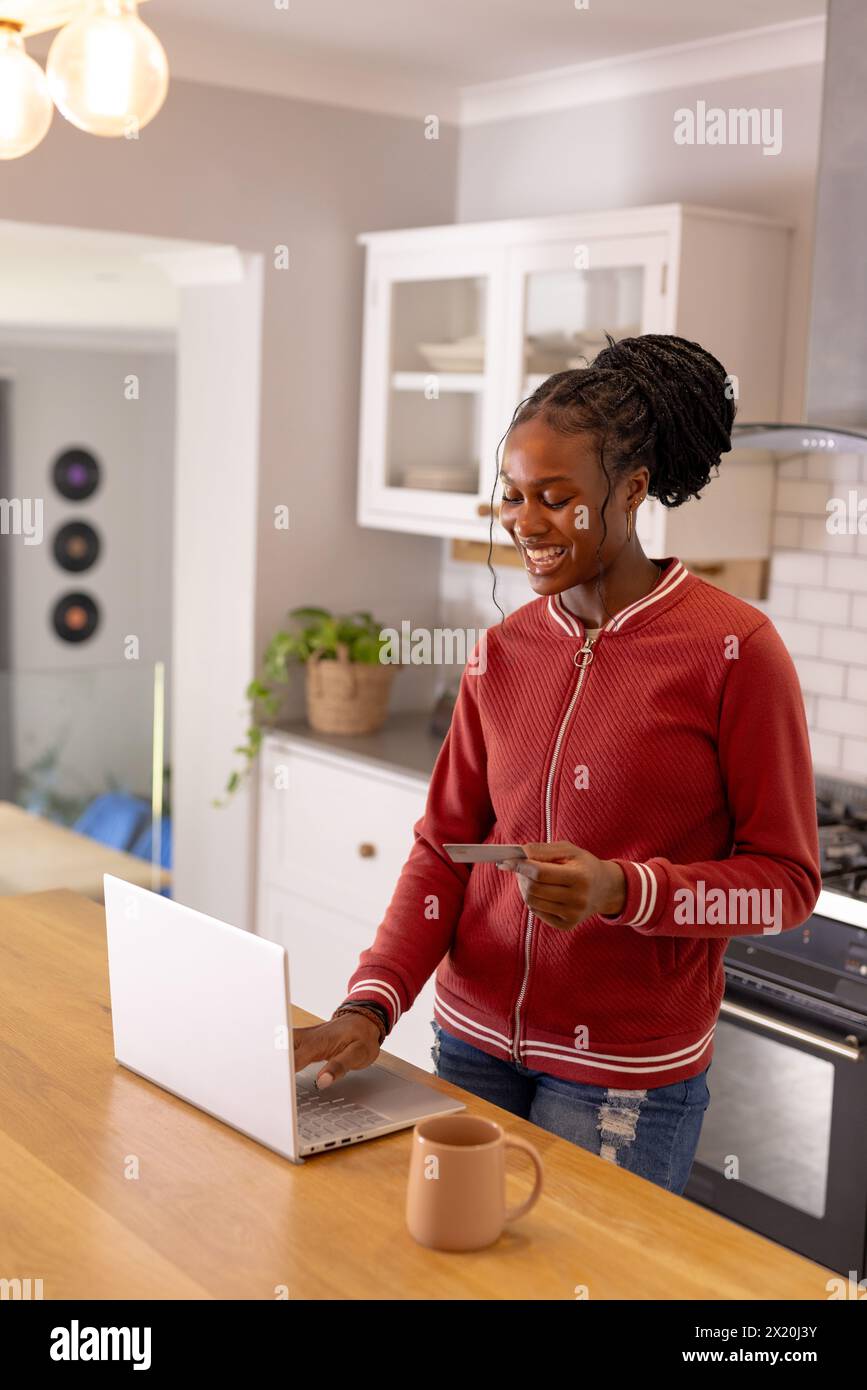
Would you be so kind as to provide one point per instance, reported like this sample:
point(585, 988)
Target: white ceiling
point(75, 277)
point(416, 56)
point(470, 41)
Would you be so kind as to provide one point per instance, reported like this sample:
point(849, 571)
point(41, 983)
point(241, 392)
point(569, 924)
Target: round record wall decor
point(75, 617)
point(76, 546)
point(76, 474)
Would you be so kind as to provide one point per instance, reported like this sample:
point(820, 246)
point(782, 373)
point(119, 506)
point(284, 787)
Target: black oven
point(783, 1148)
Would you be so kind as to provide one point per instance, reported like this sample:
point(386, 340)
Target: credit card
point(483, 854)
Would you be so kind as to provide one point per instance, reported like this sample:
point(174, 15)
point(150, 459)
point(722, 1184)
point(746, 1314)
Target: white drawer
point(336, 835)
point(324, 947)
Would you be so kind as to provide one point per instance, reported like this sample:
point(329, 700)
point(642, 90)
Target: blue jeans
point(653, 1133)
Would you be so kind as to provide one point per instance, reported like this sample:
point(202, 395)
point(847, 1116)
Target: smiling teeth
point(547, 554)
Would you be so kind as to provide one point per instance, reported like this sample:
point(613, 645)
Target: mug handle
point(512, 1142)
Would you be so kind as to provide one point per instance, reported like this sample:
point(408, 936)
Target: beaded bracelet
point(377, 1008)
point(368, 1013)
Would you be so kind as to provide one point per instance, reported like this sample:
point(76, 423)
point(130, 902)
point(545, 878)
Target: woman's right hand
point(347, 1043)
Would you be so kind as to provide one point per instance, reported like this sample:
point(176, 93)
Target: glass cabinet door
point(427, 439)
point(436, 380)
point(568, 312)
point(456, 336)
point(567, 295)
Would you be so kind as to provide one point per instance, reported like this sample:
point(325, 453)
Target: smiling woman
point(651, 416)
point(621, 734)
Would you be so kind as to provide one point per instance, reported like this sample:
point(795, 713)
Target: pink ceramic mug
point(456, 1195)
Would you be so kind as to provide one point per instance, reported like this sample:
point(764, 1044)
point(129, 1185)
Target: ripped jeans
point(653, 1133)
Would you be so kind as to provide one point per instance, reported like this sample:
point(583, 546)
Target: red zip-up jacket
point(679, 749)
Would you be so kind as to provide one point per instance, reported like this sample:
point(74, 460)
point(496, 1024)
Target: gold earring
point(629, 524)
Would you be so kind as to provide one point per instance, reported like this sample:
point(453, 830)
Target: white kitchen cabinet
point(464, 321)
point(333, 837)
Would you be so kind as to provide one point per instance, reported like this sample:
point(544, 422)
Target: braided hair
point(658, 400)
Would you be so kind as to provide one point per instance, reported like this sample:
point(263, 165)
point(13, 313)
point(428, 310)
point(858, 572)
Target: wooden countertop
point(214, 1215)
point(39, 855)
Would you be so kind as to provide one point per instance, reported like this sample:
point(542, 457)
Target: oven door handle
point(850, 1050)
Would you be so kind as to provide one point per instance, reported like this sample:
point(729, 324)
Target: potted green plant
point(347, 683)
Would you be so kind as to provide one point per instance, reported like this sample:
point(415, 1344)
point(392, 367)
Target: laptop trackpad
point(375, 1087)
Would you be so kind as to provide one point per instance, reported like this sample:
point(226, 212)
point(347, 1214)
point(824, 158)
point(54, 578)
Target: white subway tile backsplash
point(823, 606)
point(847, 574)
point(792, 468)
point(816, 536)
point(825, 629)
point(803, 498)
point(786, 532)
point(794, 567)
point(842, 468)
point(844, 644)
point(802, 639)
point(840, 717)
point(821, 677)
point(826, 749)
point(854, 757)
point(817, 600)
point(781, 601)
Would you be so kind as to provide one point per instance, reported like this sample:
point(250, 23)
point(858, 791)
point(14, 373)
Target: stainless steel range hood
point(796, 439)
point(837, 353)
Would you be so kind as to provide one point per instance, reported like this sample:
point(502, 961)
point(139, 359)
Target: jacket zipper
point(586, 651)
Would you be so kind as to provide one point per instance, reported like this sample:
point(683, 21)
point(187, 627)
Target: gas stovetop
point(820, 968)
point(843, 846)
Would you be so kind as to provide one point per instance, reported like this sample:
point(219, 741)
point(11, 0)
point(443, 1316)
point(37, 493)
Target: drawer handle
point(367, 850)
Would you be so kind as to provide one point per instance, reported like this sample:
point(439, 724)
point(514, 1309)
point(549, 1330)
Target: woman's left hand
point(563, 885)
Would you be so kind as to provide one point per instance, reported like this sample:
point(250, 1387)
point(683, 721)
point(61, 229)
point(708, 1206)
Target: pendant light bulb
point(25, 102)
point(107, 72)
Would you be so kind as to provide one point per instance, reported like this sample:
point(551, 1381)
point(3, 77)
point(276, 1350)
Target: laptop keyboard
point(321, 1117)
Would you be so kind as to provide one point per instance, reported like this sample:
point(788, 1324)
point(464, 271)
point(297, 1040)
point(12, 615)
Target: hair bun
point(689, 401)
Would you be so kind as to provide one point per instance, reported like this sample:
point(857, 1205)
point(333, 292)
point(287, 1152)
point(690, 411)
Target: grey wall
point(622, 154)
point(260, 171)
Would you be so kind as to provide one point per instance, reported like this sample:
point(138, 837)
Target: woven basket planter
point(347, 697)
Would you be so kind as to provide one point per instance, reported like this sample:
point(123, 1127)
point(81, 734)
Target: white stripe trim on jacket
point(647, 901)
point(675, 1059)
point(677, 575)
point(607, 1061)
point(580, 1059)
point(560, 613)
point(469, 1025)
point(572, 625)
point(381, 987)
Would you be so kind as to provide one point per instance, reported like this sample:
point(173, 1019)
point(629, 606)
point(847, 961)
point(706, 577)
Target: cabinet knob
point(484, 509)
point(366, 850)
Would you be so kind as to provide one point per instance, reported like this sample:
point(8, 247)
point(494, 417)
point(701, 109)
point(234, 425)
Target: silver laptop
point(202, 1009)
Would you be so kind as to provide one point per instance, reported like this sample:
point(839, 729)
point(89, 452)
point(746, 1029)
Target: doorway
point(130, 380)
